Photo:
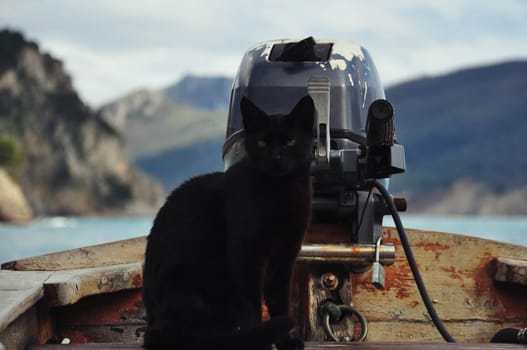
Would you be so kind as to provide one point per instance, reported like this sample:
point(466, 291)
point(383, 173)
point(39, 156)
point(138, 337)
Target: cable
point(364, 208)
point(413, 265)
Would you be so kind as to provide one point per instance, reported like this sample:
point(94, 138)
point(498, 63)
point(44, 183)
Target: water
point(511, 229)
point(58, 233)
point(54, 234)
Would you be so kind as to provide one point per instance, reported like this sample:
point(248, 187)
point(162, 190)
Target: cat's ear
point(303, 114)
point(253, 117)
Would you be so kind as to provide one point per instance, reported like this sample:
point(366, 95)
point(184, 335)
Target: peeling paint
point(400, 281)
point(451, 270)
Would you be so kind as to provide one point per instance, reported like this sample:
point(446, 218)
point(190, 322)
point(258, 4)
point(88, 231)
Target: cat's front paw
point(290, 343)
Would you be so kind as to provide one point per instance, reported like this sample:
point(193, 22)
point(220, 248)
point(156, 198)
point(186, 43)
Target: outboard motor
point(356, 152)
point(355, 141)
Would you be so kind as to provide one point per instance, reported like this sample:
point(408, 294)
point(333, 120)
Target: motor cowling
point(344, 83)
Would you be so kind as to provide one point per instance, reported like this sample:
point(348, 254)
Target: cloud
point(110, 74)
point(113, 47)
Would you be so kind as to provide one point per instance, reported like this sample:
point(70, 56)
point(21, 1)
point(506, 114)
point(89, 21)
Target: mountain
point(471, 123)
point(70, 161)
point(153, 123)
point(463, 134)
point(174, 166)
point(176, 132)
point(466, 127)
point(202, 92)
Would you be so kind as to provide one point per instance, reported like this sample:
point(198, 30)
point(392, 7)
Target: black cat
point(224, 241)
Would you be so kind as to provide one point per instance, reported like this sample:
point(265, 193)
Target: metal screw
point(330, 281)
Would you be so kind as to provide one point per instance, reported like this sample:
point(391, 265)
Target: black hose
point(413, 265)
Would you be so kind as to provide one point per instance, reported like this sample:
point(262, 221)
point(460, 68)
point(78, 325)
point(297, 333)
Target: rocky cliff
point(13, 204)
point(72, 161)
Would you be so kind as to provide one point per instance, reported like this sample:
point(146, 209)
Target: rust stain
point(513, 301)
point(137, 282)
point(356, 332)
point(75, 336)
point(355, 281)
point(414, 303)
point(390, 236)
point(481, 275)
point(509, 301)
point(265, 312)
point(453, 272)
point(101, 309)
point(432, 247)
point(354, 250)
point(401, 281)
point(429, 246)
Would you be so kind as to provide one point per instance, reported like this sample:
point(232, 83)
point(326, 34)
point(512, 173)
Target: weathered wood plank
point(511, 270)
point(319, 290)
point(412, 346)
point(468, 331)
point(119, 252)
point(67, 287)
point(21, 332)
point(458, 273)
point(19, 291)
point(115, 317)
point(100, 346)
point(319, 346)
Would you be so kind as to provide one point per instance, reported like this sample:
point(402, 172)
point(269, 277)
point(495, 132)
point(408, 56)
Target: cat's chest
point(279, 205)
point(267, 198)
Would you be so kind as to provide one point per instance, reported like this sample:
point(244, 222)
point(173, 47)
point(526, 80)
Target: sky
point(113, 47)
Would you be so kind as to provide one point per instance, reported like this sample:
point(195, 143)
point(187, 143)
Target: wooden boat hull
point(92, 294)
point(459, 273)
point(321, 346)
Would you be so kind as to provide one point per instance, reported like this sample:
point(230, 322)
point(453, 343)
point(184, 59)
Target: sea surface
point(58, 233)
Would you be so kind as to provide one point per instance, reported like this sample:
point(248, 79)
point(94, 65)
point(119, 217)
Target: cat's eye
point(291, 142)
point(261, 143)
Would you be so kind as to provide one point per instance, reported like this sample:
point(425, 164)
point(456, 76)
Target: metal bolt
point(330, 281)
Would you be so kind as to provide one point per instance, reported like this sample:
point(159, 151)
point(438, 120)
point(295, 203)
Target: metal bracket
point(318, 88)
point(333, 313)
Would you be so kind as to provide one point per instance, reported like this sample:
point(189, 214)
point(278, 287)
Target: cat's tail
point(259, 337)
